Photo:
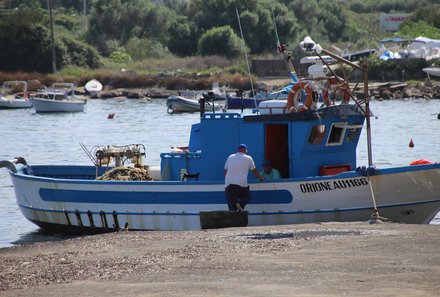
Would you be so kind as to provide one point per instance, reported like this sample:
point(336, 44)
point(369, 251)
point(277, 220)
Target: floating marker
point(411, 143)
point(111, 116)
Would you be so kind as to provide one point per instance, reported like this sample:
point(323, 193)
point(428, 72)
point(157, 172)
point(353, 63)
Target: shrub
point(144, 48)
point(119, 57)
point(80, 53)
point(220, 41)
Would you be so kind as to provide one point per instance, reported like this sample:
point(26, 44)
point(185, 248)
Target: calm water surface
point(55, 138)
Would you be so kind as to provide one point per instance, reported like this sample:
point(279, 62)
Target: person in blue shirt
point(269, 172)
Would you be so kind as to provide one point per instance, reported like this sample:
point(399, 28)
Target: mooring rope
point(376, 218)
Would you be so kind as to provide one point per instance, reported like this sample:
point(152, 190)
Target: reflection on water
point(55, 138)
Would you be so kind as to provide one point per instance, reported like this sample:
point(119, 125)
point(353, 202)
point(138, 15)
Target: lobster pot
point(273, 107)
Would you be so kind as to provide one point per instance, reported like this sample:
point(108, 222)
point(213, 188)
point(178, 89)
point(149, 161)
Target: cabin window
point(352, 133)
point(336, 135)
point(316, 134)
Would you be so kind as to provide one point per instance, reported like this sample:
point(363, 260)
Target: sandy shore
point(331, 259)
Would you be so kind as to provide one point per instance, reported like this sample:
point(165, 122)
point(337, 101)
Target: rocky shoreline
point(380, 91)
point(150, 93)
point(425, 90)
point(327, 259)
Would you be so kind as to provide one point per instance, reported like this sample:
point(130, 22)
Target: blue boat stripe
point(251, 213)
point(182, 198)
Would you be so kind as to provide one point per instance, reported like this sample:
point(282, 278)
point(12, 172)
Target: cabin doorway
point(277, 147)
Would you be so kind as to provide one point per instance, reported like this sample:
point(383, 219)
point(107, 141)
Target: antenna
point(282, 49)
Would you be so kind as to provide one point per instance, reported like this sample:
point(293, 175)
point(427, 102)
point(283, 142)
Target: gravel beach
point(329, 259)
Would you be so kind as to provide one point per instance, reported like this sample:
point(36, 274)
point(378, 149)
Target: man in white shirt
point(236, 171)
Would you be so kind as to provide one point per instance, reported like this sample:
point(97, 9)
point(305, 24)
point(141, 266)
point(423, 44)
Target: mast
point(367, 114)
point(54, 64)
point(85, 13)
point(282, 49)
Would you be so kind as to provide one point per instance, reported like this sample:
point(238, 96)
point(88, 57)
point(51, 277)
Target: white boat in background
point(14, 95)
point(434, 71)
point(182, 104)
point(59, 98)
point(93, 86)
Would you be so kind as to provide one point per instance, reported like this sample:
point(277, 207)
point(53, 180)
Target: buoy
point(420, 162)
point(438, 116)
point(111, 115)
point(411, 143)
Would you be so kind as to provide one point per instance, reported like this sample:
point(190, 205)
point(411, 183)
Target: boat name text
point(333, 185)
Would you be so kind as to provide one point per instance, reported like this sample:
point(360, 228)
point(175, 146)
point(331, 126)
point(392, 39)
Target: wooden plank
point(223, 219)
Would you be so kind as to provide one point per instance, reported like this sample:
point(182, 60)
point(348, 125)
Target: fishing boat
point(177, 104)
point(313, 149)
point(60, 97)
point(14, 94)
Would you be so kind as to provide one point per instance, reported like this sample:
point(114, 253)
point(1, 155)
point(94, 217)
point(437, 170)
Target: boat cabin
point(311, 143)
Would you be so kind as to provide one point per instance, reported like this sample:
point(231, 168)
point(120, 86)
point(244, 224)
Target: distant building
point(392, 22)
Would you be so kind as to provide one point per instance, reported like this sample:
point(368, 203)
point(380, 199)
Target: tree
point(256, 19)
point(323, 20)
point(27, 40)
point(122, 20)
point(220, 41)
point(34, 4)
point(429, 14)
point(143, 48)
point(29, 45)
point(184, 36)
point(416, 29)
point(79, 53)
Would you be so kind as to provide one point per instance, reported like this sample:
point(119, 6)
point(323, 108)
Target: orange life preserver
point(311, 97)
point(336, 88)
point(420, 162)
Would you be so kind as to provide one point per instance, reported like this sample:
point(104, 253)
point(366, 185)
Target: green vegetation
point(149, 37)
point(220, 41)
point(26, 44)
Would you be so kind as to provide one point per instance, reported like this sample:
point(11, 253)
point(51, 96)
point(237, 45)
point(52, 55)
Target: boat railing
point(10, 164)
point(54, 94)
point(187, 155)
point(221, 116)
point(14, 87)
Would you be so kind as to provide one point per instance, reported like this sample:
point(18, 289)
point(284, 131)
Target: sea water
point(56, 138)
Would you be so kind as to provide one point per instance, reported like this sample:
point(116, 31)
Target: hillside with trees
point(90, 33)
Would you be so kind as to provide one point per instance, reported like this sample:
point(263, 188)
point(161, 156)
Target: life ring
point(336, 88)
point(311, 97)
point(420, 162)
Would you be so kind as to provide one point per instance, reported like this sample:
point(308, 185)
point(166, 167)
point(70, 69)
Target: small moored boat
point(59, 98)
point(14, 94)
point(434, 71)
point(93, 86)
point(176, 104)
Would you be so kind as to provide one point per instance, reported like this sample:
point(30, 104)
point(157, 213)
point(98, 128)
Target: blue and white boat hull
point(407, 194)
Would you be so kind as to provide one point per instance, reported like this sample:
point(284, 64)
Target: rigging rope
point(247, 61)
